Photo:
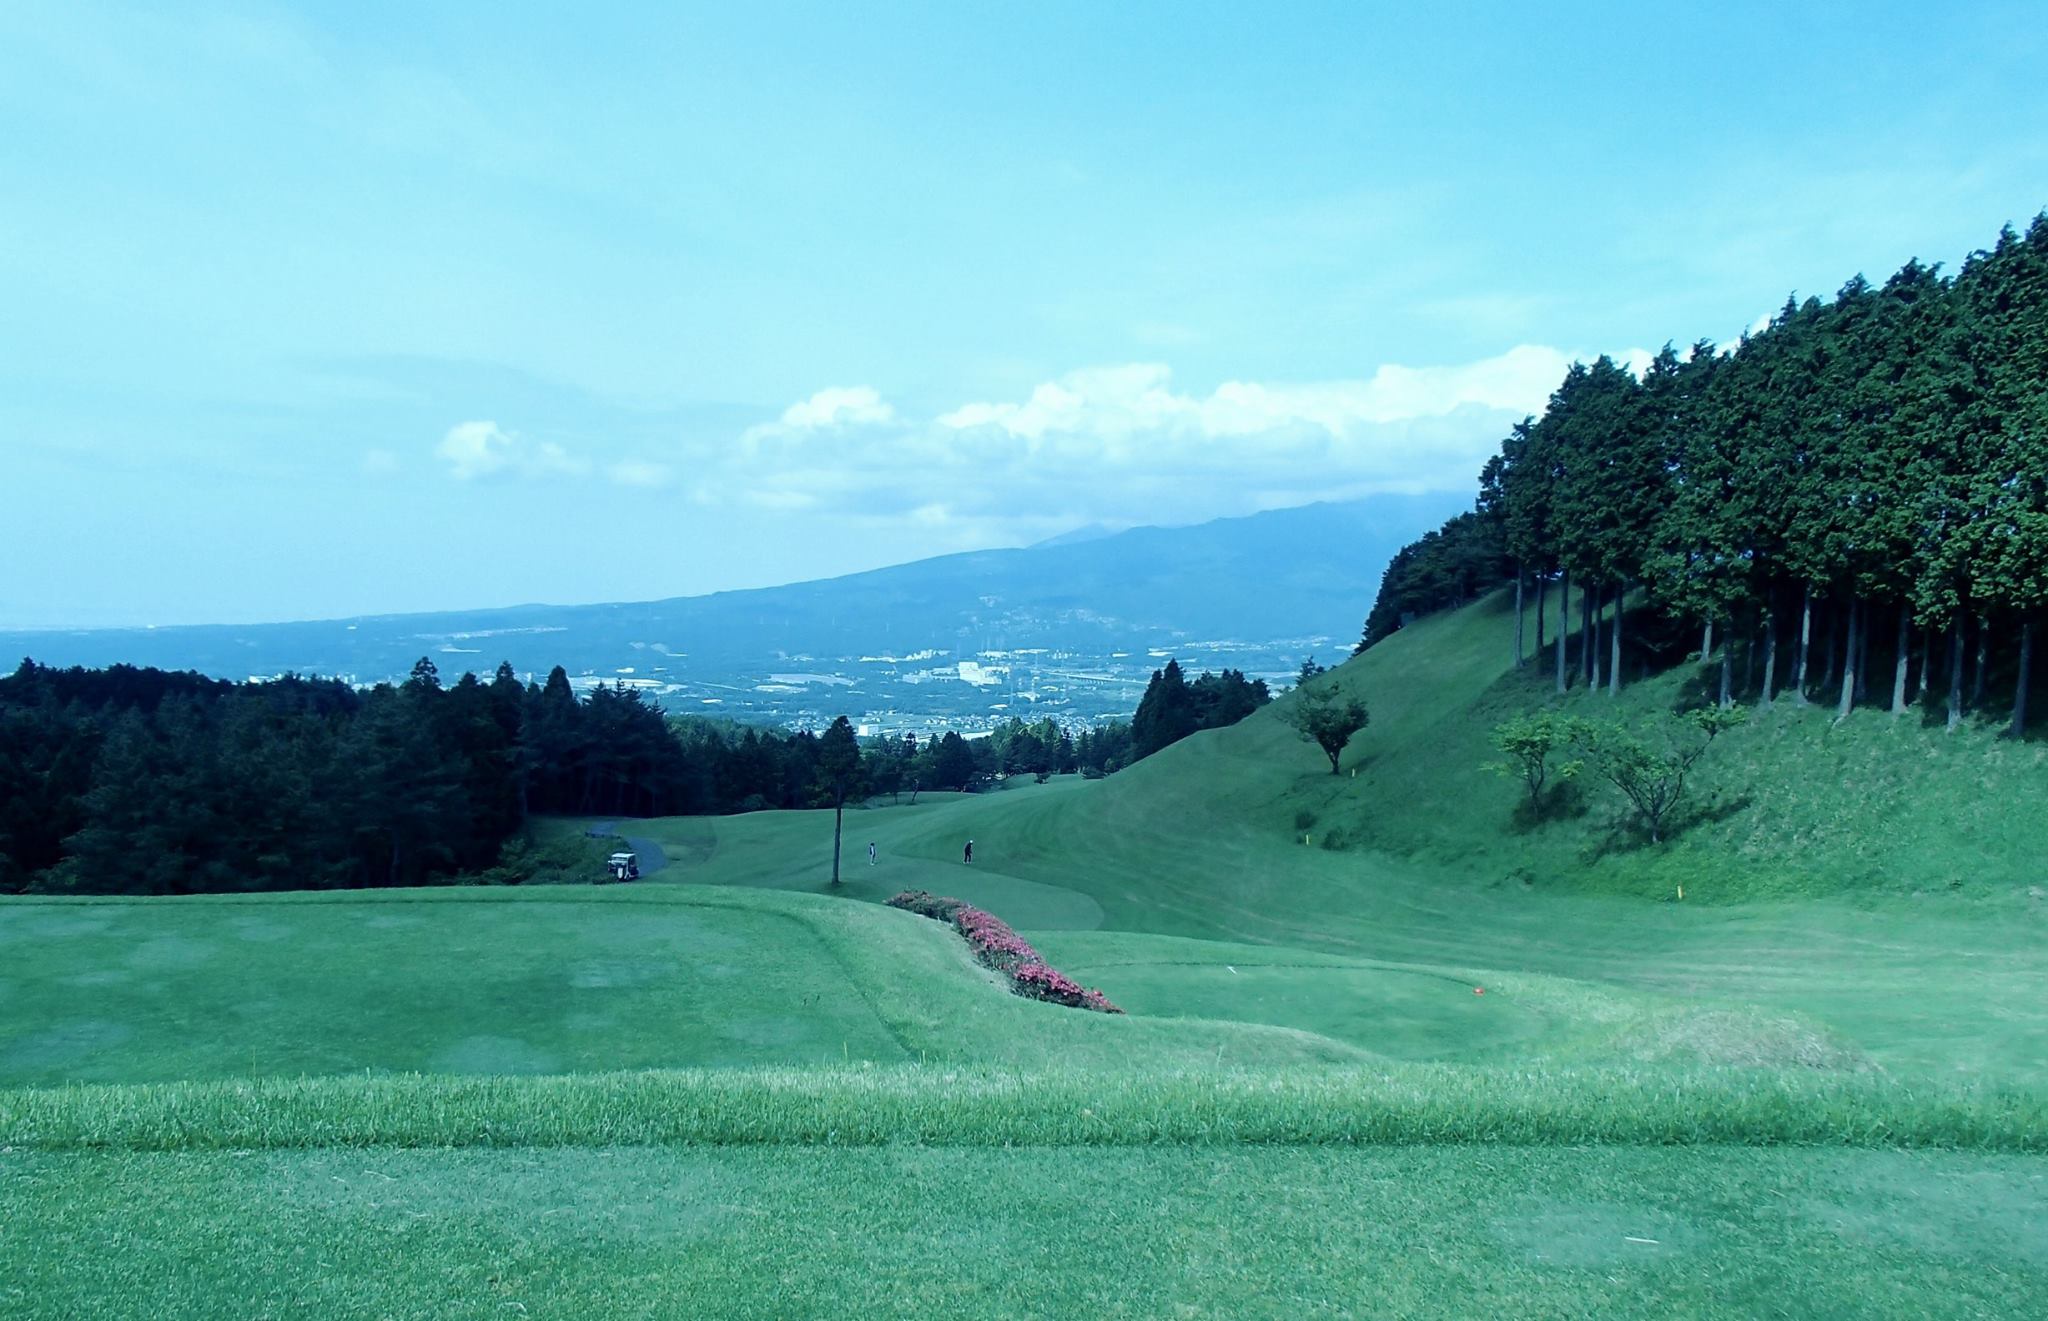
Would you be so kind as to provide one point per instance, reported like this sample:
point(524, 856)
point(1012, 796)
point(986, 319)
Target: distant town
point(918, 692)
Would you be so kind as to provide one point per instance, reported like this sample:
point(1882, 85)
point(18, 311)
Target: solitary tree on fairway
point(1326, 718)
point(838, 770)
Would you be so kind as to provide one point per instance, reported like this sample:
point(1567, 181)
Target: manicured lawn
point(1236, 1232)
point(534, 981)
point(445, 982)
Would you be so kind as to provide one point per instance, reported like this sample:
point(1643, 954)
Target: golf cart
point(623, 866)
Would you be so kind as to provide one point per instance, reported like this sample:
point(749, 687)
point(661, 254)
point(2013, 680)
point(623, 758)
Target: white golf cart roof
point(622, 857)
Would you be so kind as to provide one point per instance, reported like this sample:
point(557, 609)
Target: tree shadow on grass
point(1700, 688)
point(1627, 835)
point(1563, 801)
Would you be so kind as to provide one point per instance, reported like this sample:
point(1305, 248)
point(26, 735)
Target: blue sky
point(354, 309)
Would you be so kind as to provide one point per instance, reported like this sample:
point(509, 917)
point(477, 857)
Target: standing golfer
point(871, 853)
point(968, 856)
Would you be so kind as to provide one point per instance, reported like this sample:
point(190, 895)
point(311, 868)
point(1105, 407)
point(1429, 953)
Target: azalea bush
point(1002, 949)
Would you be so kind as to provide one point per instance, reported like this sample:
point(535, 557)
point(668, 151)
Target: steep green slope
point(1383, 954)
point(1820, 923)
point(1795, 803)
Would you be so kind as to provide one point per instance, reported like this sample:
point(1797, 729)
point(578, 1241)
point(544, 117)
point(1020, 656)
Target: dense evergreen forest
point(1854, 502)
point(1173, 708)
point(139, 781)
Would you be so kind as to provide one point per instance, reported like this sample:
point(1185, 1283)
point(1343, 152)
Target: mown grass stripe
point(922, 1105)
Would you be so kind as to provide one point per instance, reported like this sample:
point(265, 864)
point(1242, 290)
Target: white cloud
point(836, 411)
point(484, 449)
point(1118, 444)
point(1121, 444)
point(835, 406)
point(639, 472)
point(474, 449)
point(1116, 402)
point(1756, 327)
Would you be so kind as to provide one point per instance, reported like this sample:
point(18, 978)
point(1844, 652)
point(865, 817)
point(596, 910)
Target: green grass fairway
point(1236, 1232)
point(1817, 1086)
point(438, 982)
point(546, 980)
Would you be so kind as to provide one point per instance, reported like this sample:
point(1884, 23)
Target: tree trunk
point(1614, 655)
point(1564, 596)
point(1589, 639)
point(1834, 659)
point(1926, 660)
point(1805, 638)
point(1899, 667)
point(1598, 633)
point(1983, 659)
point(1727, 670)
point(1706, 641)
point(838, 816)
point(1861, 624)
point(1748, 658)
point(1770, 693)
point(1518, 616)
point(1848, 698)
point(2018, 727)
point(1955, 673)
point(1542, 600)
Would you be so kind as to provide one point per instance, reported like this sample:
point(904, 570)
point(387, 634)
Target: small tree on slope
point(1327, 718)
point(1528, 743)
point(1651, 774)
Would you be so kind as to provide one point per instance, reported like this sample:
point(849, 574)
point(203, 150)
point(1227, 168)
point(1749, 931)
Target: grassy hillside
point(1794, 803)
point(1390, 1048)
point(1778, 955)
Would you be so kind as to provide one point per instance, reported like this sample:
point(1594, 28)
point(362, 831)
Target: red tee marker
point(1479, 990)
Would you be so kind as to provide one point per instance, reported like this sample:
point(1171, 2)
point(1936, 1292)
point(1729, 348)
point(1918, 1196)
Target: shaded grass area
point(1399, 1105)
point(1025, 1231)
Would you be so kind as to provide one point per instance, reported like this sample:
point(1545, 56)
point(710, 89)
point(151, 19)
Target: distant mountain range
point(1275, 584)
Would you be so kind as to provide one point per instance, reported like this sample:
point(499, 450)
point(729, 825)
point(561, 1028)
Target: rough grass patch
point(988, 1107)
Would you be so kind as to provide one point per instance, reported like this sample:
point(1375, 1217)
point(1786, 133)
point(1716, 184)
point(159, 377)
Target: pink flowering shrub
point(926, 904)
point(1002, 949)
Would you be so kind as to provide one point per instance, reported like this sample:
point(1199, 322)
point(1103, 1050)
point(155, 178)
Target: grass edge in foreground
point(941, 1106)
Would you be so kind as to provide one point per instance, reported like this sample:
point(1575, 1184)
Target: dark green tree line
point(1850, 507)
point(1173, 708)
point(137, 781)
